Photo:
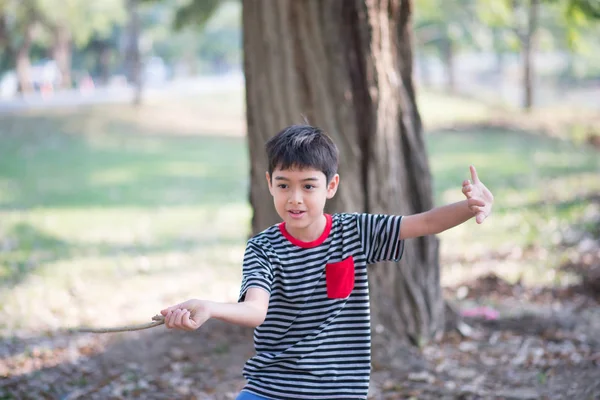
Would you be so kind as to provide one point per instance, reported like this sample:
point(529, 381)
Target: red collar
point(315, 242)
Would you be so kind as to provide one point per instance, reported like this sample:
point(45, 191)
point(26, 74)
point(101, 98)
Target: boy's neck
point(311, 233)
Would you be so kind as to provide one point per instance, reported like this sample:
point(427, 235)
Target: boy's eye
point(309, 187)
point(282, 186)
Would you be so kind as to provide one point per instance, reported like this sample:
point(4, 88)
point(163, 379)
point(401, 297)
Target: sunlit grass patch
point(541, 186)
point(117, 264)
point(439, 109)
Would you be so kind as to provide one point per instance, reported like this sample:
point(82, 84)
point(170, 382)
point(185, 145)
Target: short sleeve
point(256, 271)
point(380, 237)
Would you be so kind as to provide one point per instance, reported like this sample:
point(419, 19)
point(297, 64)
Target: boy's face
point(299, 196)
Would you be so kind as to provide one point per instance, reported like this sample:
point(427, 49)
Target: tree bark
point(8, 54)
point(346, 66)
point(499, 52)
point(61, 53)
point(528, 49)
point(133, 56)
point(447, 52)
point(22, 62)
point(104, 58)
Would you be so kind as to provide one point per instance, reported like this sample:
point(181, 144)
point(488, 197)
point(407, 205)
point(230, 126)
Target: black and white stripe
point(311, 346)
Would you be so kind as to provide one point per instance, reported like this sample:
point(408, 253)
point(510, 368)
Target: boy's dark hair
point(303, 146)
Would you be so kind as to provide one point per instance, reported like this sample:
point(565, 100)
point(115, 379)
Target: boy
point(304, 286)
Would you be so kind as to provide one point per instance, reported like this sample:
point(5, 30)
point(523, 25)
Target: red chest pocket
point(339, 277)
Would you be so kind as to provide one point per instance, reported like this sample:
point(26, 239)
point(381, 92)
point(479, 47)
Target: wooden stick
point(157, 320)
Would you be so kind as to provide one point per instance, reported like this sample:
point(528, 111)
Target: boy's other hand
point(187, 316)
point(479, 198)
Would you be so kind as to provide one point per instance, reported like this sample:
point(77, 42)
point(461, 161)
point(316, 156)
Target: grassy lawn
point(108, 214)
point(542, 188)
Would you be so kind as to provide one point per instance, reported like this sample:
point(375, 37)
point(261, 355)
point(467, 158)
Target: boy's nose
point(295, 198)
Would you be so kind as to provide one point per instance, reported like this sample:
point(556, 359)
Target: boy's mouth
point(296, 213)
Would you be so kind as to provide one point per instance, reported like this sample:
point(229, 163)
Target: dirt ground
point(548, 348)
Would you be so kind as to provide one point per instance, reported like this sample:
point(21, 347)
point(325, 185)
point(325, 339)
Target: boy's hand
point(187, 316)
point(479, 198)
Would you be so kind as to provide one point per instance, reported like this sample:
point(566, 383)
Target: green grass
point(108, 214)
point(542, 186)
point(439, 109)
point(81, 161)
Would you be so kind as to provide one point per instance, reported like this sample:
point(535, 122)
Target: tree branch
point(157, 320)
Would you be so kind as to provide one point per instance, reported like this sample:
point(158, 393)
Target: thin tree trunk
point(192, 61)
point(22, 62)
point(7, 51)
point(447, 50)
point(424, 70)
point(528, 49)
point(134, 62)
point(7, 59)
point(499, 52)
point(61, 52)
point(346, 65)
point(8, 54)
point(104, 54)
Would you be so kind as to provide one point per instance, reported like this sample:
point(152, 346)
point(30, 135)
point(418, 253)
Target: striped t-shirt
point(315, 342)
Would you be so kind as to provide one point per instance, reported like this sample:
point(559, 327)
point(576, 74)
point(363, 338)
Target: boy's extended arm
point(478, 204)
point(192, 314)
point(435, 220)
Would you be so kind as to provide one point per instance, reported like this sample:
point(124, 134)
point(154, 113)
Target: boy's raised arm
point(192, 314)
point(478, 203)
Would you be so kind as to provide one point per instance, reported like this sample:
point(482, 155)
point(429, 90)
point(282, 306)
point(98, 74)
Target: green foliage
point(195, 13)
point(83, 19)
point(572, 23)
point(495, 13)
point(591, 8)
point(188, 13)
point(577, 10)
point(217, 41)
point(437, 21)
point(16, 16)
point(562, 24)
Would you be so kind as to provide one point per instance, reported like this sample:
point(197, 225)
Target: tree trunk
point(346, 65)
point(499, 52)
point(104, 58)
point(133, 57)
point(22, 62)
point(447, 50)
point(528, 49)
point(7, 58)
point(422, 63)
point(4, 42)
point(61, 53)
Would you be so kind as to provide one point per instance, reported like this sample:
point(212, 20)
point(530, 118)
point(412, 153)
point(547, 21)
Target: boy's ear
point(268, 176)
point(332, 186)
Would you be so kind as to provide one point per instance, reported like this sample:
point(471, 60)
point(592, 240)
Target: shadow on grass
point(27, 249)
point(57, 162)
point(31, 249)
